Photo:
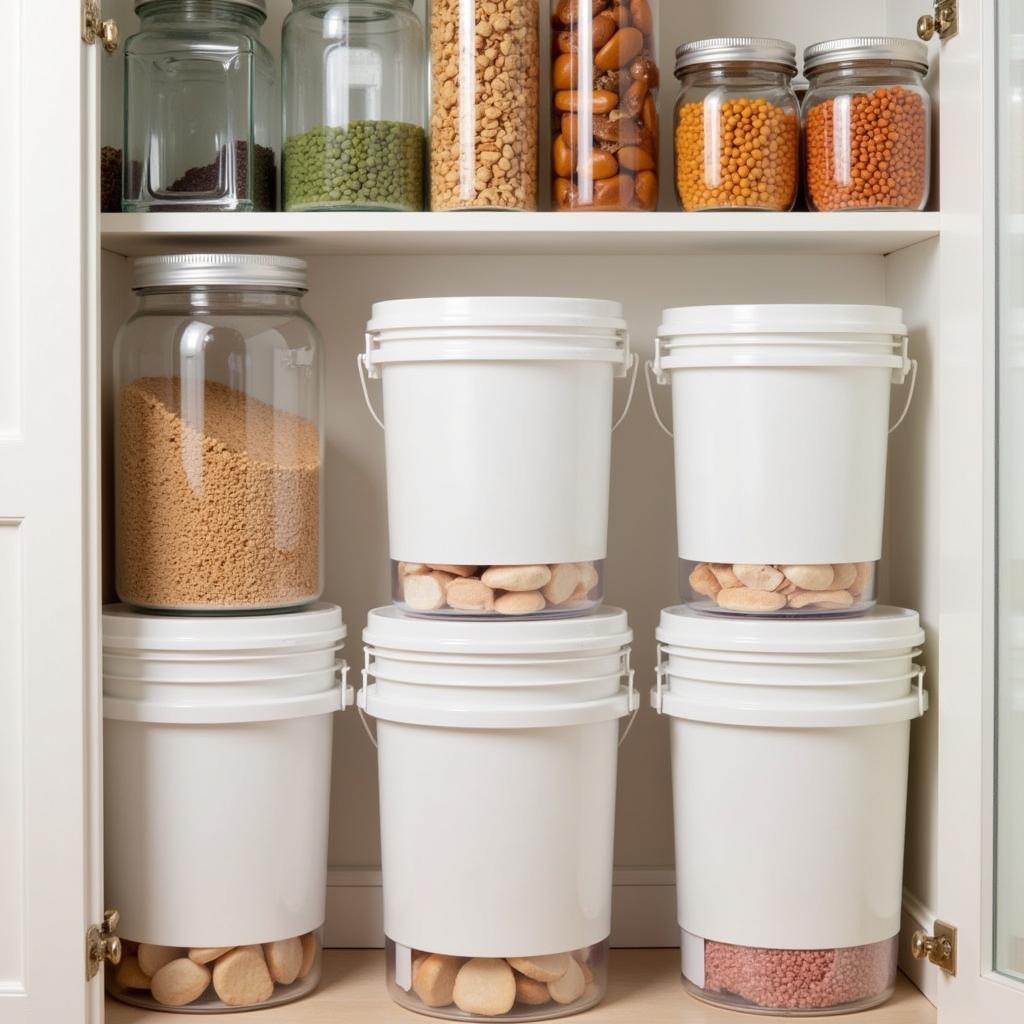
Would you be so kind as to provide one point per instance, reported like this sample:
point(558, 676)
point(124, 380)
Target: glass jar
point(485, 89)
point(866, 123)
point(200, 108)
point(736, 125)
point(605, 109)
point(219, 436)
point(523, 988)
point(353, 106)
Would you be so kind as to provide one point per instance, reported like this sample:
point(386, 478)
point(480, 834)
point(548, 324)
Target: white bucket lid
point(318, 626)
point(496, 311)
point(883, 628)
point(784, 318)
point(390, 629)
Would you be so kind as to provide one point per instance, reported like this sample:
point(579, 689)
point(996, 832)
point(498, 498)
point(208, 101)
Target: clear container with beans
point(737, 125)
point(484, 104)
point(778, 589)
point(353, 106)
point(604, 107)
point(216, 979)
point(866, 123)
point(515, 988)
point(218, 436)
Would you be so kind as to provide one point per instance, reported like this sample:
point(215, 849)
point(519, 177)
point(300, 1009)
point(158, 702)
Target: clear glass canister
point(484, 89)
point(522, 988)
point(219, 436)
point(200, 108)
point(737, 125)
point(216, 979)
point(605, 108)
point(867, 124)
point(353, 105)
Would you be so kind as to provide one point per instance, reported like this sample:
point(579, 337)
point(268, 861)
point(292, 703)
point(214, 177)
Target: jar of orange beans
point(866, 120)
point(737, 124)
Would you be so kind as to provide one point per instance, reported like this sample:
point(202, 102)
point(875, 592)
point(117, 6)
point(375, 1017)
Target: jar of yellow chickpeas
point(737, 124)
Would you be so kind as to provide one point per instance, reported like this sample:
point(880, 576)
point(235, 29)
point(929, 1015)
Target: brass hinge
point(944, 19)
point(938, 949)
point(96, 27)
point(102, 944)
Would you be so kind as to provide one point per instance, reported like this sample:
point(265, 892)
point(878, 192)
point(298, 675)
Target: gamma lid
point(219, 270)
point(496, 311)
point(881, 629)
point(390, 629)
point(318, 626)
point(782, 318)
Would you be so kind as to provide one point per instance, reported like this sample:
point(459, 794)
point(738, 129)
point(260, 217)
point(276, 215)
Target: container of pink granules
point(790, 744)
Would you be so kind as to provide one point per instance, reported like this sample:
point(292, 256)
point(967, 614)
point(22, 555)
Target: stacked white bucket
point(497, 739)
point(790, 736)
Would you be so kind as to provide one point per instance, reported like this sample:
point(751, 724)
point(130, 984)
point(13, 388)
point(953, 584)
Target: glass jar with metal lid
point(866, 122)
point(200, 108)
point(736, 124)
point(354, 105)
point(218, 437)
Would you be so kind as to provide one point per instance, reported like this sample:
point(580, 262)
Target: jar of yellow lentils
point(737, 124)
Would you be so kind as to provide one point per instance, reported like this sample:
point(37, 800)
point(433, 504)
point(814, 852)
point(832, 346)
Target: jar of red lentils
point(866, 121)
point(737, 124)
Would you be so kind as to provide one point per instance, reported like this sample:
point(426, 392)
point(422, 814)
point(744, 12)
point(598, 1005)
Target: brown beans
point(602, 147)
point(754, 165)
point(880, 158)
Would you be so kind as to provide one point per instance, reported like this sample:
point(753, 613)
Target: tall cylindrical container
point(604, 83)
point(497, 759)
point(790, 749)
point(217, 765)
point(484, 104)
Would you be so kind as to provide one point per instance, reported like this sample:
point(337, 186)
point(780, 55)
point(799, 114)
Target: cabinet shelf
point(643, 986)
point(502, 234)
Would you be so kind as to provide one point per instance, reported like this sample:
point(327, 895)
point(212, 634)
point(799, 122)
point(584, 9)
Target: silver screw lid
point(213, 269)
point(857, 48)
point(258, 5)
point(736, 48)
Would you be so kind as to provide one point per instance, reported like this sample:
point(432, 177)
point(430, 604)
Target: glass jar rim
point(299, 4)
point(854, 50)
point(259, 6)
point(723, 50)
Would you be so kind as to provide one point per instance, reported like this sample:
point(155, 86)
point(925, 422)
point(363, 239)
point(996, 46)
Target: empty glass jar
point(200, 109)
point(736, 125)
point(353, 105)
point(219, 437)
point(867, 124)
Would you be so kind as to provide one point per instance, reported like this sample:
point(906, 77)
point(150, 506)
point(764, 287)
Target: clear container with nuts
point(790, 982)
point(605, 107)
point(216, 979)
point(218, 436)
point(843, 588)
point(501, 591)
point(867, 124)
point(517, 988)
point(485, 89)
point(737, 125)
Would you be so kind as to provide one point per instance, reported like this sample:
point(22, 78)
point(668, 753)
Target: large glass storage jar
point(736, 125)
point(605, 108)
point(219, 436)
point(200, 108)
point(485, 88)
point(866, 124)
point(353, 105)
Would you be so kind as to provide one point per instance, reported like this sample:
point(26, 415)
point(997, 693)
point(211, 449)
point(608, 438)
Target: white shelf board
point(484, 233)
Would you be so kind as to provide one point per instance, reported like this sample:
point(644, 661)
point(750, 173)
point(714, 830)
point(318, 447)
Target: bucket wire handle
point(910, 396)
point(919, 671)
point(364, 374)
point(649, 375)
point(348, 697)
point(634, 366)
point(361, 702)
point(632, 697)
point(659, 679)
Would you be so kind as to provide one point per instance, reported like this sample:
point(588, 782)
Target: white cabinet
point(66, 286)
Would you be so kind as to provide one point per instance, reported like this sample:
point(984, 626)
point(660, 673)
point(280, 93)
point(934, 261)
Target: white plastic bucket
point(497, 755)
point(790, 745)
point(781, 417)
point(498, 422)
point(217, 764)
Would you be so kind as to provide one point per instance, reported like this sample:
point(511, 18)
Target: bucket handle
point(625, 669)
point(652, 373)
point(911, 366)
point(365, 373)
point(634, 366)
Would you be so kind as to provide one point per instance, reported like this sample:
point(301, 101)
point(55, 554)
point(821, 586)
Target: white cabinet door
point(50, 866)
